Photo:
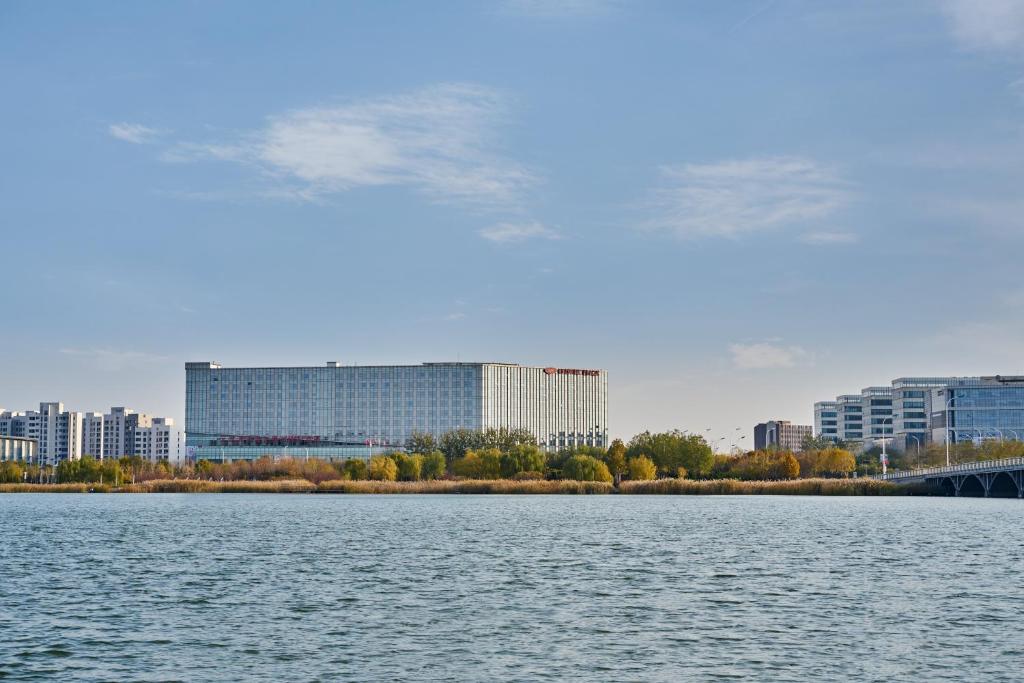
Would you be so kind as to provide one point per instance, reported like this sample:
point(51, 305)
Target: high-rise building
point(826, 420)
point(161, 440)
point(92, 435)
point(119, 427)
point(348, 411)
point(781, 434)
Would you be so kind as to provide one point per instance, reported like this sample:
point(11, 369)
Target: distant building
point(912, 411)
point(339, 411)
point(161, 440)
point(18, 449)
point(781, 434)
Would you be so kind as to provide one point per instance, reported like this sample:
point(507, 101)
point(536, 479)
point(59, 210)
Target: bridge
point(983, 479)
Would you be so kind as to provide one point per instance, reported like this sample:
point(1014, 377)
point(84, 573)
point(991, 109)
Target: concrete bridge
point(984, 479)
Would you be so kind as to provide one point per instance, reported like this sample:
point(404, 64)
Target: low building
point(781, 434)
point(18, 449)
point(978, 408)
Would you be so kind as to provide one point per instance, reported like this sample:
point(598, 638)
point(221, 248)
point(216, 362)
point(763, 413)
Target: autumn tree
point(586, 468)
point(641, 468)
point(382, 468)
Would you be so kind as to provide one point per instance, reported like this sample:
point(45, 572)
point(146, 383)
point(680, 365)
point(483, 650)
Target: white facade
point(161, 440)
point(18, 449)
point(119, 427)
point(92, 435)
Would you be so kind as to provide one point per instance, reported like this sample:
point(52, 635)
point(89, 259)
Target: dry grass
point(467, 486)
point(54, 488)
point(795, 487)
point(204, 486)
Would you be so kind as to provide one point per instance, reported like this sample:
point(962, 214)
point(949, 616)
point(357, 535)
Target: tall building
point(780, 434)
point(850, 416)
point(345, 411)
point(978, 408)
point(161, 440)
point(826, 420)
point(119, 427)
point(92, 435)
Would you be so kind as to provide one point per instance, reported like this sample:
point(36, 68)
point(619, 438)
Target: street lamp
point(884, 456)
point(911, 436)
point(948, 401)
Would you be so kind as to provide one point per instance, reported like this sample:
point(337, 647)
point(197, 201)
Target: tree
point(505, 439)
point(819, 443)
point(355, 469)
point(433, 465)
point(409, 466)
point(456, 443)
point(641, 468)
point(421, 442)
point(771, 465)
point(834, 462)
point(615, 458)
point(586, 468)
point(521, 458)
point(672, 450)
point(383, 468)
point(11, 472)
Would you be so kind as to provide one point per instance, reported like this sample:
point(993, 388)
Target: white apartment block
point(119, 426)
point(159, 441)
point(92, 435)
point(57, 432)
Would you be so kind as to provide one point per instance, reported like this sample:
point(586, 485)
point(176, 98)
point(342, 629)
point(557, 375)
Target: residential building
point(345, 411)
point(781, 434)
point(119, 427)
point(161, 440)
point(92, 435)
point(18, 449)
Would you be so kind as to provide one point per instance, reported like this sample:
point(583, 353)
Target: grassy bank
point(204, 486)
point(467, 486)
point(53, 488)
point(794, 487)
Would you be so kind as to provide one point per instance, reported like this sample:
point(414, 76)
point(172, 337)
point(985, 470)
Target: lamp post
point(884, 456)
point(948, 401)
point(911, 436)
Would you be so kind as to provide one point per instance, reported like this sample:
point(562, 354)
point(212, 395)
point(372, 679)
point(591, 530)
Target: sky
point(736, 208)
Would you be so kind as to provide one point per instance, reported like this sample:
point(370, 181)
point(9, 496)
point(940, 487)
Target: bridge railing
point(955, 469)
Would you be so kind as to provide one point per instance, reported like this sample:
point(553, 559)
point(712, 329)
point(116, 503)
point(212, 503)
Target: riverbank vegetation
point(460, 461)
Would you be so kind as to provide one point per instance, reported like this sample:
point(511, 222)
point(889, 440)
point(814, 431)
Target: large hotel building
point(341, 411)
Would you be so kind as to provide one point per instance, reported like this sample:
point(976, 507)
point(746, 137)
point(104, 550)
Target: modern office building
point(978, 408)
point(780, 434)
point(826, 420)
point(18, 449)
point(912, 411)
point(338, 411)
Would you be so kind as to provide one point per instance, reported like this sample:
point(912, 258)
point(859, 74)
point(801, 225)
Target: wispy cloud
point(738, 197)
point(440, 140)
point(134, 133)
point(764, 355)
point(987, 25)
point(559, 9)
point(825, 238)
point(114, 359)
point(504, 233)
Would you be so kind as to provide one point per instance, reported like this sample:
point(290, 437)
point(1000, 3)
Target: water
point(474, 588)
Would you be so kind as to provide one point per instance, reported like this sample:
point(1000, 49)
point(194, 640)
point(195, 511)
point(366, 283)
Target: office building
point(18, 449)
point(780, 434)
point(826, 420)
point(338, 411)
point(978, 408)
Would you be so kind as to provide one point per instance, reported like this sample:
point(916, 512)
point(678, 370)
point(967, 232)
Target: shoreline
point(685, 487)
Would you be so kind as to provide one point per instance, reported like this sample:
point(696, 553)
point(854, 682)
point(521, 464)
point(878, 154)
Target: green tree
point(433, 465)
point(505, 439)
point(421, 442)
point(410, 467)
point(521, 458)
point(641, 468)
point(355, 469)
point(672, 450)
point(383, 468)
point(615, 458)
point(456, 443)
point(586, 468)
point(11, 472)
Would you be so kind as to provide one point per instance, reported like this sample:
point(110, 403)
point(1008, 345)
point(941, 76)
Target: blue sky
point(737, 208)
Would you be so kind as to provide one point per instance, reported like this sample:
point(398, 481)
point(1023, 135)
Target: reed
point(795, 487)
point(52, 488)
point(206, 486)
point(501, 486)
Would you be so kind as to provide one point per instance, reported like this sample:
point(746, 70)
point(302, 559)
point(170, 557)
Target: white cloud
point(133, 132)
point(764, 355)
point(733, 198)
point(987, 25)
point(828, 238)
point(455, 316)
point(439, 140)
point(504, 233)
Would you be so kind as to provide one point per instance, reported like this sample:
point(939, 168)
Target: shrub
point(410, 467)
point(355, 469)
point(586, 468)
point(382, 468)
point(433, 465)
point(641, 468)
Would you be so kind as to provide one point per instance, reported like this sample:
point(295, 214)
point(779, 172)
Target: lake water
point(480, 588)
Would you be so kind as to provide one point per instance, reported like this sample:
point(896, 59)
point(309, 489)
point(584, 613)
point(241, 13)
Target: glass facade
point(993, 408)
point(350, 411)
